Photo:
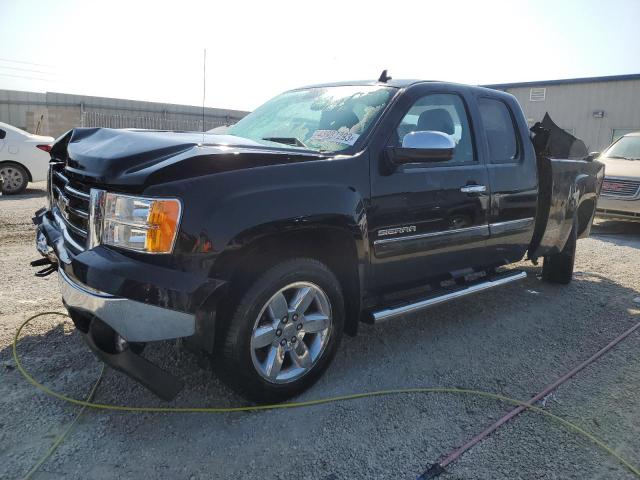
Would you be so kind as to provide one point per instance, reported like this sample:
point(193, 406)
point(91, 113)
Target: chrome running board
point(387, 313)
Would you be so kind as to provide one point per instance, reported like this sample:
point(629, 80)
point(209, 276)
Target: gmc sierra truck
point(327, 206)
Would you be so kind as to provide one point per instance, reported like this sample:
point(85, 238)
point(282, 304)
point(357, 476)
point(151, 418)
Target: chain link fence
point(155, 122)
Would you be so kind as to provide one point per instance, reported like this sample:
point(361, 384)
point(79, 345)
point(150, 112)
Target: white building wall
point(572, 107)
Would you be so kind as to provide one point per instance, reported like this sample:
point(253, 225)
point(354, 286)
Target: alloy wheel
point(291, 332)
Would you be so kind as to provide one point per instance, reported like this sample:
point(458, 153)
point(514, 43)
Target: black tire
point(235, 358)
point(15, 178)
point(558, 268)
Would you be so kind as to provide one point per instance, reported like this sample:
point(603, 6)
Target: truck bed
point(568, 190)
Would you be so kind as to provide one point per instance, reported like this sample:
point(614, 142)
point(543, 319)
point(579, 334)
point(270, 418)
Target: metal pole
point(204, 85)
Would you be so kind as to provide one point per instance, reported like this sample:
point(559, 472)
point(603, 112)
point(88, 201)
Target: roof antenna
point(204, 87)
point(384, 78)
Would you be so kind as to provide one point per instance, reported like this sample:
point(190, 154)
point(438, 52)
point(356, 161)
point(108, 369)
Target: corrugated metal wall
point(14, 106)
point(55, 113)
point(572, 107)
point(153, 122)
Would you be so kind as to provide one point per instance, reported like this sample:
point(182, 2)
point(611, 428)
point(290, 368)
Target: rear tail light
point(44, 148)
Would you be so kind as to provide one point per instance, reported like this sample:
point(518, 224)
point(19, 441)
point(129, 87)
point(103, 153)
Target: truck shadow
point(457, 327)
point(617, 232)
point(511, 341)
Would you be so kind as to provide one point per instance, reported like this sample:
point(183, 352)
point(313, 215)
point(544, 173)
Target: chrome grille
point(620, 188)
point(70, 203)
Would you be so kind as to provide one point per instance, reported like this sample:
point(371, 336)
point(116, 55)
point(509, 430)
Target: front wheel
point(284, 331)
point(15, 178)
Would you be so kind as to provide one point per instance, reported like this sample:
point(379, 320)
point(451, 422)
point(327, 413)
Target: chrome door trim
point(498, 228)
point(483, 228)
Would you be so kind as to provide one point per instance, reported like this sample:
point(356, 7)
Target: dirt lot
point(511, 341)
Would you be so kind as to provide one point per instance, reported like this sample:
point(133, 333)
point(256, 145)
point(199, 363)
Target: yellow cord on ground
point(67, 430)
point(307, 403)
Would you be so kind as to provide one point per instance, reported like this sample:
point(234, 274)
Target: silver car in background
point(620, 195)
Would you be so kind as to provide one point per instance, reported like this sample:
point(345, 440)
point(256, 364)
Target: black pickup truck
point(327, 206)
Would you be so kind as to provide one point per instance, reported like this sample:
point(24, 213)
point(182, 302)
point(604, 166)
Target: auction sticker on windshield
point(336, 136)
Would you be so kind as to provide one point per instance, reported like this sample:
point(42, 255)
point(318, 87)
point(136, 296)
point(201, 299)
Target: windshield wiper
point(621, 158)
point(286, 141)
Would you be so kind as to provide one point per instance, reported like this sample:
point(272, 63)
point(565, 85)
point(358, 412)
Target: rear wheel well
point(585, 212)
point(334, 247)
point(11, 162)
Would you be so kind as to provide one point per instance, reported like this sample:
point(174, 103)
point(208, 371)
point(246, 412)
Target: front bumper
point(115, 301)
point(618, 208)
point(144, 299)
point(135, 321)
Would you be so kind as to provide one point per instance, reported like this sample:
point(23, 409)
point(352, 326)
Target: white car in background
point(24, 158)
point(620, 194)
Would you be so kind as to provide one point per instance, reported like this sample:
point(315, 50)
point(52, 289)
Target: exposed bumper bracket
point(159, 381)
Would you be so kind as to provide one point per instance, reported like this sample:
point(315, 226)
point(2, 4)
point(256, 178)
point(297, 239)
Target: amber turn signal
point(163, 226)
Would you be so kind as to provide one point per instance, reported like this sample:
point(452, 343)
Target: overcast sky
point(152, 50)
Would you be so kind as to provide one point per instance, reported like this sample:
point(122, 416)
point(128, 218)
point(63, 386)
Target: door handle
point(473, 189)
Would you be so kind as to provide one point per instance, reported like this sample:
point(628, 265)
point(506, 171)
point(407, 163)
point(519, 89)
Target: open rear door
point(555, 142)
point(565, 179)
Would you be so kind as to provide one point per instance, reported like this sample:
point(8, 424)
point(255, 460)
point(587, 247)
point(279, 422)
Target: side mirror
point(425, 146)
point(592, 156)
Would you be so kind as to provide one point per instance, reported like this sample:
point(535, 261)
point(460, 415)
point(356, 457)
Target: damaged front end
point(107, 344)
point(118, 299)
point(115, 328)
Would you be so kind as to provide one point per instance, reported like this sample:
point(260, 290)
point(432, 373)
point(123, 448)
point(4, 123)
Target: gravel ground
point(511, 341)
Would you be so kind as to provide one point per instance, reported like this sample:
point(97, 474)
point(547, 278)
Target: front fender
point(225, 211)
point(252, 214)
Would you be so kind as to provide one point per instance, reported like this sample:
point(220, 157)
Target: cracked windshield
point(327, 119)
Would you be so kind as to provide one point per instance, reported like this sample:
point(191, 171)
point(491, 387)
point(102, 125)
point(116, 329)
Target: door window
point(500, 129)
point(440, 112)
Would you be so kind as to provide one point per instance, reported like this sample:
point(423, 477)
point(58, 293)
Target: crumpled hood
point(615, 167)
point(144, 157)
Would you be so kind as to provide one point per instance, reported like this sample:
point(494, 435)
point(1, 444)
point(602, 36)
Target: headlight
point(142, 224)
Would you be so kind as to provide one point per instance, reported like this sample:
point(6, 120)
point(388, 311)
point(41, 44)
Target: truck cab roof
point(405, 83)
point(401, 83)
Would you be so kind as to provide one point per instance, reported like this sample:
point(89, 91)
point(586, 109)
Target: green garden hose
point(88, 403)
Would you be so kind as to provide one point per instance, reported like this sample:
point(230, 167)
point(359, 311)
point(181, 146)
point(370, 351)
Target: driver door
point(429, 220)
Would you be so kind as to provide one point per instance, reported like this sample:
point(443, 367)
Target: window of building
point(500, 129)
point(442, 112)
point(537, 94)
